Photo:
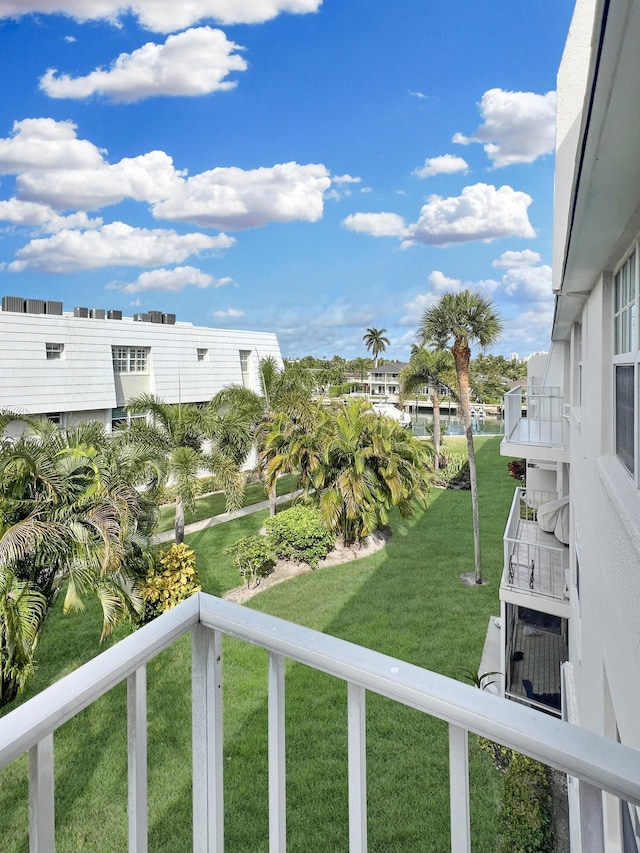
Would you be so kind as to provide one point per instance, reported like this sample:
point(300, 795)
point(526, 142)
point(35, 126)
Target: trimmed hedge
point(253, 557)
point(298, 534)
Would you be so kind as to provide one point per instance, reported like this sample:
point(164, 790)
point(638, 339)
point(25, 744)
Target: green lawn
point(406, 601)
point(214, 504)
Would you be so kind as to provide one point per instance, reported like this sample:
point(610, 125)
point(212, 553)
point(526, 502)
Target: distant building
point(87, 364)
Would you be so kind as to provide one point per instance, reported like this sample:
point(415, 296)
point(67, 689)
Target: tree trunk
point(179, 526)
point(273, 494)
point(437, 429)
point(461, 356)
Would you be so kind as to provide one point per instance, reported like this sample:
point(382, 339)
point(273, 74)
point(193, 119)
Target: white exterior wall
point(83, 380)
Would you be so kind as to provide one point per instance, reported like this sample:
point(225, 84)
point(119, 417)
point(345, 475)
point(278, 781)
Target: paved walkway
point(167, 535)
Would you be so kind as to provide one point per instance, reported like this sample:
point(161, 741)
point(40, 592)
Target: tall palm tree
point(362, 465)
point(376, 342)
point(428, 367)
point(457, 322)
point(188, 441)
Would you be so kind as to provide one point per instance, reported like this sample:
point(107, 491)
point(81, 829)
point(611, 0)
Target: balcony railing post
point(137, 760)
point(459, 789)
point(591, 818)
point(356, 725)
point(41, 797)
point(277, 757)
point(207, 737)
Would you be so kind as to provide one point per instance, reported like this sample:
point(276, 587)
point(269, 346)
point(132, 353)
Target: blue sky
point(309, 167)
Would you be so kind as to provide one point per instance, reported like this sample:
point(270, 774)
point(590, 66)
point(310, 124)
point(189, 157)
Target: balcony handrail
point(588, 756)
point(545, 423)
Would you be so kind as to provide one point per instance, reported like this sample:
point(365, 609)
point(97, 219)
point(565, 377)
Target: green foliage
point(299, 534)
point(454, 473)
point(341, 390)
point(253, 557)
point(202, 486)
point(526, 808)
point(173, 580)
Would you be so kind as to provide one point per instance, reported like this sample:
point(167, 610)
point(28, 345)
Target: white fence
point(536, 414)
point(598, 764)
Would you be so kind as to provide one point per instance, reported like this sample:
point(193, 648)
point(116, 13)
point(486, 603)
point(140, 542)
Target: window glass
point(54, 350)
point(625, 307)
point(129, 359)
point(625, 415)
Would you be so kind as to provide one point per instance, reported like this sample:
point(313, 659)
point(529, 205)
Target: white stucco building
point(87, 363)
point(580, 601)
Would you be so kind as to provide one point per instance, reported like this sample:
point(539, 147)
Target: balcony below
point(533, 670)
point(536, 563)
point(536, 424)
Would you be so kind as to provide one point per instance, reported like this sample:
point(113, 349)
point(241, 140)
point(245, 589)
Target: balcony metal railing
point(535, 414)
point(535, 562)
point(599, 764)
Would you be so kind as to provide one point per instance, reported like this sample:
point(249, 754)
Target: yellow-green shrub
point(173, 579)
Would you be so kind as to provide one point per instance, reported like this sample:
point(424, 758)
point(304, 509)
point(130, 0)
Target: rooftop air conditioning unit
point(114, 315)
point(97, 313)
point(53, 308)
point(169, 319)
point(13, 303)
point(34, 306)
point(80, 312)
point(156, 316)
point(142, 318)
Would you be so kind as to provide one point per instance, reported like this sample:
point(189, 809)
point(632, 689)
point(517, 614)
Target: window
point(54, 417)
point(54, 350)
point(129, 359)
point(202, 354)
point(120, 418)
point(625, 361)
point(244, 367)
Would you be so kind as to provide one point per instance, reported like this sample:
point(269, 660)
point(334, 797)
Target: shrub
point(170, 581)
point(455, 472)
point(253, 557)
point(518, 468)
point(526, 802)
point(299, 534)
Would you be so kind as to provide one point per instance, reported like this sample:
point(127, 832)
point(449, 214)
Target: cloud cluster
point(518, 127)
point(195, 62)
point(115, 244)
point(480, 212)
point(446, 164)
point(162, 16)
point(170, 280)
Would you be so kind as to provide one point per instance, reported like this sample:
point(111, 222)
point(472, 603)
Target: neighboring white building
point(88, 364)
point(581, 436)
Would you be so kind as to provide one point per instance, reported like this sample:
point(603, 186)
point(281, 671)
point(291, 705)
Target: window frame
point(54, 350)
point(130, 359)
point(626, 354)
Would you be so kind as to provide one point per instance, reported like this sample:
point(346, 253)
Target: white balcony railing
point(535, 414)
point(535, 562)
point(599, 764)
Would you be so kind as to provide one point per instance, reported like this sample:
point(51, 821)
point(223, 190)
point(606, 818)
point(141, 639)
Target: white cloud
point(42, 216)
point(511, 260)
point(529, 282)
point(148, 177)
point(47, 144)
point(345, 179)
point(377, 224)
point(195, 62)
point(481, 212)
point(446, 164)
point(230, 312)
point(115, 244)
point(164, 16)
point(420, 95)
point(236, 199)
point(440, 282)
point(170, 280)
point(518, 127)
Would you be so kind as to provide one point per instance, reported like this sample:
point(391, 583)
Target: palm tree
point(188, 441)
point(376, 341)
point(69, 520)
point(456, 322)
point(360, 466)
point(428, 367)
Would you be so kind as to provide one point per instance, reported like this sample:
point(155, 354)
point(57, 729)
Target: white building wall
point(83, 380)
